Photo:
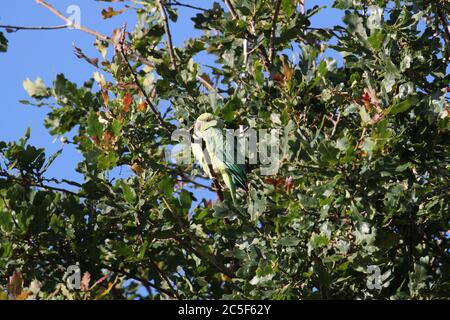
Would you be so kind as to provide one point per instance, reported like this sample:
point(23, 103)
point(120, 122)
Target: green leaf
point(5, 221)
point(185, 199)
point(230, 108)
point(3, 295)
point(166, 187)
point(404, 167)
point(6, 250)
point(289, 7)
point(401, 106)
point(51, 160)
point(128, 193)
point(355, 24)
point(376, 39)
point(317, 241)
point(116, 127)
point(95, 128)
point(258, 73)
point(3, 43)
point(107, 161)
point(289, 241)
point(328, 153)
point(143, 250)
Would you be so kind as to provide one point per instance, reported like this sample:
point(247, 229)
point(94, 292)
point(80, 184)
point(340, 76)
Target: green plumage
point(210, 129)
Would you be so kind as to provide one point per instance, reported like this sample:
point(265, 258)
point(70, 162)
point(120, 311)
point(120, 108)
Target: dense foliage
point(363, 176)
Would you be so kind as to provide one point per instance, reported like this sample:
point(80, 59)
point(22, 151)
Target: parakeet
point(209, 128)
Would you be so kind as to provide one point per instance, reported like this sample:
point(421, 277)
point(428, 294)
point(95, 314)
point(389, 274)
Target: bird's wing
point(238, 174)
point(217, 144)
point(236, 170)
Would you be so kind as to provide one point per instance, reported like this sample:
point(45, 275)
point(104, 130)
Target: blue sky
point(44, 54)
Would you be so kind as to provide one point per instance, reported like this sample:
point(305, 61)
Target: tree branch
point(138, 83)
point(71, 23)
point(273, 32)
point(16, 28)
point(302, 6)
point(10, 211)
point(141, 280)
point(197, 184)
point(334, 122)
point(446, 27)
point(177, 3)
point(37, 184)
point(168, 34)
point(163, 275)
point(231, 8)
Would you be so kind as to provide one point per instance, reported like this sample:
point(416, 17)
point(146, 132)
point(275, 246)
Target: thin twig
point(446, 28)
point(231, 8)
point(71, 23)
point(168, 34)
point(334, 122)
point(245, 49)
point(302, 6)
point(180, 4)
point(10, 211)
point(163, 275)
point(16, 28)
point(37, 185)
point(142, 280)
point(197, 184)
point(273, 31)
point(209, 85)
point(138, 83)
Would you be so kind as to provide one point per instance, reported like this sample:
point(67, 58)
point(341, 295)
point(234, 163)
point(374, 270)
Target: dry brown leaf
point(287, 72)
point(137, 168)
point(24, 295)
point(142, 106)
point(127, 100)
point(105, 95)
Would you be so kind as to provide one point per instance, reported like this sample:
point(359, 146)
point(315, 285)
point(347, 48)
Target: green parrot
point(209, 128)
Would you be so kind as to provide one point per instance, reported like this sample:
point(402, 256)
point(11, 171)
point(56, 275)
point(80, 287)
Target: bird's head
point(206, 121)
